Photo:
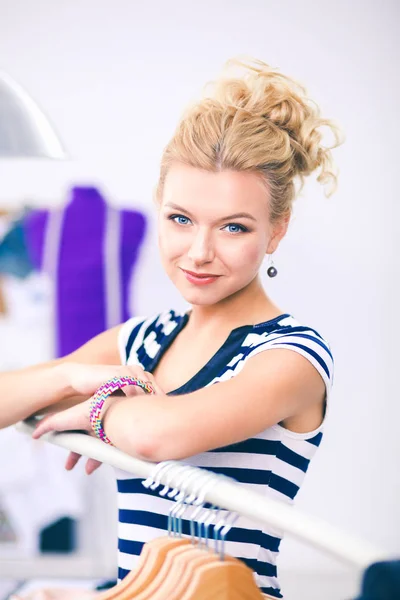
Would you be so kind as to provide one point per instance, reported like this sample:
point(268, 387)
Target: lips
point(200, 278)
point(200, 274)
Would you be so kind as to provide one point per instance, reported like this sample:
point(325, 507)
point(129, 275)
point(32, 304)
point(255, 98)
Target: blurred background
point(113, 79)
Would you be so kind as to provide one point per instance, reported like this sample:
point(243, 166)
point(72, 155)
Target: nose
point(201, 250)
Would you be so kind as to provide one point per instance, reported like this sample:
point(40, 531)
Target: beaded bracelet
point(100, 396)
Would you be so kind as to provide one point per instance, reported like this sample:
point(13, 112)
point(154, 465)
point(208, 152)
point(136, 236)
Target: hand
point(74, 418)
point(77, 417)
point(58, 594)
point(84, 380)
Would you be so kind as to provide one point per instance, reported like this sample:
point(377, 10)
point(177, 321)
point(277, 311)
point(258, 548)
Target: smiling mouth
point(200, 278)
point(200, 275)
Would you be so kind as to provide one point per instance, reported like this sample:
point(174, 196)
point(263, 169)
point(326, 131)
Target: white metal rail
point(234, 497)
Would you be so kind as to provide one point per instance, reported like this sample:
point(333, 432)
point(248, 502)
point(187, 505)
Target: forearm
point(28, 391)
point(138, 426)
point(156, 427)
point(159, 428)
point(61, 405)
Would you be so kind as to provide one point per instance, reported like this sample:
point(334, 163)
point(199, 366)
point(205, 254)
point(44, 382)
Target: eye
point(179, 219)
point(236, 228)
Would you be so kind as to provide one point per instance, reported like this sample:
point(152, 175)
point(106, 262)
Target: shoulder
point(286, 330)
point(289, 334)
point(145, 335)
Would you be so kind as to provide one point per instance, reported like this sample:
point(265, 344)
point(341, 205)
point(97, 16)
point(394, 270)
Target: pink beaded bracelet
point(104, 392)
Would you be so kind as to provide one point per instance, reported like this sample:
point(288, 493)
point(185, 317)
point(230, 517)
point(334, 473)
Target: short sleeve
point(306, 342)
point(126, 336)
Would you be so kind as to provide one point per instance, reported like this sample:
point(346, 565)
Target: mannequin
point(89, 250)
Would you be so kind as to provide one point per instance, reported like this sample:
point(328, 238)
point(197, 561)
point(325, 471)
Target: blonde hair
point(262, 122)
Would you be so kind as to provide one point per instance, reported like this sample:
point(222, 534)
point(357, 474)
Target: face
point(214, 231)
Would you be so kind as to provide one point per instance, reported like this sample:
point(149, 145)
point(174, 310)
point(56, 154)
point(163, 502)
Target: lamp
point(25, 131)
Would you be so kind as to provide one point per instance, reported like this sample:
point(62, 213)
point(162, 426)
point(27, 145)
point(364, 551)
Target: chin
point(199, 299)
point(204, 297)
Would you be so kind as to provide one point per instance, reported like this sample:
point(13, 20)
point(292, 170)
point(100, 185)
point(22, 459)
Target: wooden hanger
point(175, 590)
point(192, 573)
point(179, 566)
point(165, 569)
point(225, 580)
point(175, 569)
point(151, 559)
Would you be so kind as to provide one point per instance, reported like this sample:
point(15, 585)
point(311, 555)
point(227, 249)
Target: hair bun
point(254, 118)
point(262, 91)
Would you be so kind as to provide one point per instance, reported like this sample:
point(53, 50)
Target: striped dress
point(273, 463)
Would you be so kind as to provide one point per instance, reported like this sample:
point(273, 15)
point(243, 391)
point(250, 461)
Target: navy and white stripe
point(274, 462)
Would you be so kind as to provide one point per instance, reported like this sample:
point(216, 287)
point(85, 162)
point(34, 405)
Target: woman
point(224, 199)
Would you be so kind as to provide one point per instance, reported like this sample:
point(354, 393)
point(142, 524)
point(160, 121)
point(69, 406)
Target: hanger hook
point(179, 493)
point(184, 495)
point(178, 477)
point(182, 476)
point(176, 508)
point(213, 514)
point(194, 497)
point(223, 526)
point(224, 532)
point(206, 482)
point(154, 480)
point(170, 475)
point(203, 523)
point(172, 529)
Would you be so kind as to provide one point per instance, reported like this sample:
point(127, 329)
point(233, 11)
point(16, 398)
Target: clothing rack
point(227, 494)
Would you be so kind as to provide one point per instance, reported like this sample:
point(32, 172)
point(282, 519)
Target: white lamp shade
point(25, 132)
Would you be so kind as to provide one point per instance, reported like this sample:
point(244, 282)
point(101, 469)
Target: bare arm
point(272, 387)
point(37, 389)
point(278, 386)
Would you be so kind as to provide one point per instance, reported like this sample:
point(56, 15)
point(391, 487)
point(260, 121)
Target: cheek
point(248, 255)
point(170, 244)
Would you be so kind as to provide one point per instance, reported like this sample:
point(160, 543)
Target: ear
point(279, 230)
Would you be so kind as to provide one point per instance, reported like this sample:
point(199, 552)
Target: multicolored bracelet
point(104, 392)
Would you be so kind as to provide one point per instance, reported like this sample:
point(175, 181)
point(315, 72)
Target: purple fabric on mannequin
point(83, 273)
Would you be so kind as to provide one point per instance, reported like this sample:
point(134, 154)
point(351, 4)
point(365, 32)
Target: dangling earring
point(272, 272)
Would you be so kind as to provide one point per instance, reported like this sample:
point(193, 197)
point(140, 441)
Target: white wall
point(114, 77)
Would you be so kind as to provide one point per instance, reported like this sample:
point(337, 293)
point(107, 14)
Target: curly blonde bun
point(259, 121)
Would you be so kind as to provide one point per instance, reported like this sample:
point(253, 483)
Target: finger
point(72, 460)
point(149, 378)
point(132, 390)
point(138, 373)
point(45, 426)
point(129, 371)
point(92, 465)
point(152, 380)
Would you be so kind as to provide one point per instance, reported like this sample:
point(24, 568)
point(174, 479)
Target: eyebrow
point(240, 215)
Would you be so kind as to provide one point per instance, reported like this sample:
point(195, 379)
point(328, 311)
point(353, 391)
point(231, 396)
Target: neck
point(249, 306)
